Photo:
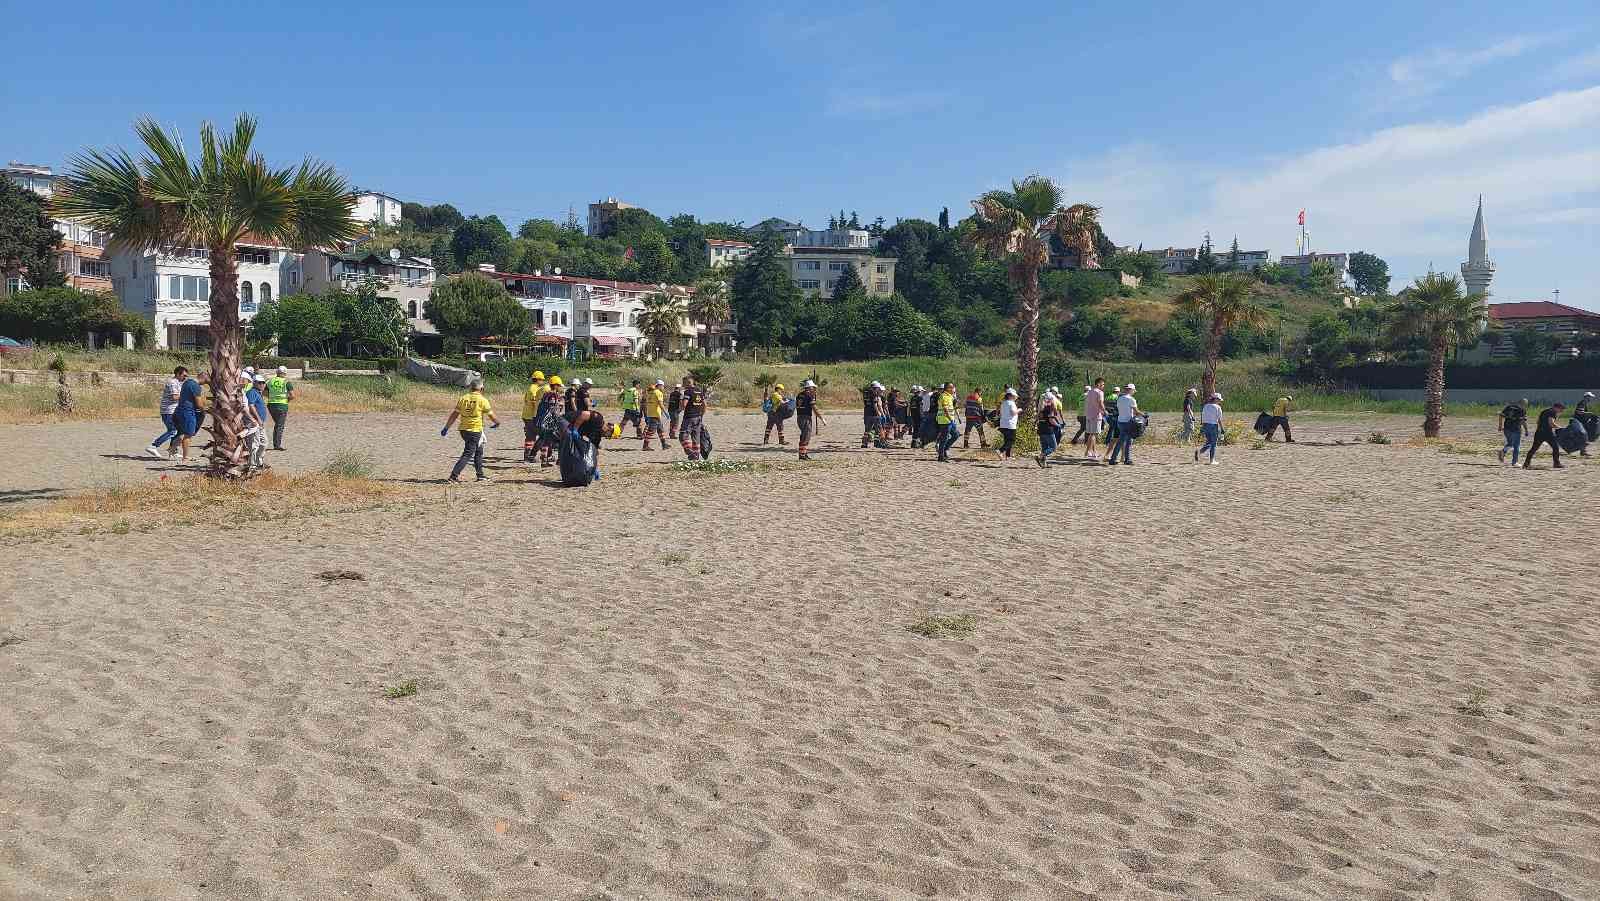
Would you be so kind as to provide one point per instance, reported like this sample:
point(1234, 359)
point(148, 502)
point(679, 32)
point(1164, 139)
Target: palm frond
point(1036, 197)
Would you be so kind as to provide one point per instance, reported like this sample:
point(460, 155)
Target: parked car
point(9, 346)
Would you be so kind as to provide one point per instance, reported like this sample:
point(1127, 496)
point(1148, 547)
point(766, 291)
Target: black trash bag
point(1571, 440)
point(1137, 426)
point(705, 442)
point(576, 459)
point(1591, 424)
point(1263, 423)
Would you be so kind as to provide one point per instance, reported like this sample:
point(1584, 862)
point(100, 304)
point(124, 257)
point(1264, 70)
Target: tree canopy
point(28, 241)
point(471, 307)
point(1369, 273)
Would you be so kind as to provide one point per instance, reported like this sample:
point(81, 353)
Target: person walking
point(653, 405)
point(1127, 408)
point(1049, 417)
point(1094, 411)
point(186, 416)
point(693, 425)
point(256, 399)
point(630, 410)
point(280, 391)
point(470, 411)
point(944, 418)
point(1210, 428)
point(569, 398)
point(872, 415)
point(1280, 417)
point(1580, 412)
point(1513, 425)
point(1545, 433)
point(166, 408)
point(1110, 439)
point(674, 410)
point(1186, 431)
point(807, 416)
point(532, 400)
point(774, 403)
point(1007, 423)
point(974, 414)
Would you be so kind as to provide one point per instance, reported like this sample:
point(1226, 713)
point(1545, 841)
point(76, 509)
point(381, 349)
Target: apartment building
point(720, 252)
point(171, 286)
point(601, 212)
point(548, 299)
point(407, 279)
point(82, 254)
point(1301, 263)
point(592, 317)
point(375, 206)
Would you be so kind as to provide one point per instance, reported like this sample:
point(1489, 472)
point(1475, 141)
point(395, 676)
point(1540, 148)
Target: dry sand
point(1317, 671)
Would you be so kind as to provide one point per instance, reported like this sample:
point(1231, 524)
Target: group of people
point(183, 411)
point(1582, 428)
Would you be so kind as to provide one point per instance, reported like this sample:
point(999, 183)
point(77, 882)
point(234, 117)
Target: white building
point(408, 280)
point(172, 287)
point(721, 252)
point(373, 206)
point(548, 299)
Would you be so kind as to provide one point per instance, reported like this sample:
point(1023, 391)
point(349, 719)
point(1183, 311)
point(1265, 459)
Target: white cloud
point(1427, 71)
point(1406, 193)
point(1580, 66)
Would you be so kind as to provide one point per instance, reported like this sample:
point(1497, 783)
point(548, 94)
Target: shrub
point(350, 464)
point(707, 375)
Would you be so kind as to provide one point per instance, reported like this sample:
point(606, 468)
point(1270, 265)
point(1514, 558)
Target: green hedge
point(1574, 374)
point(332, 363)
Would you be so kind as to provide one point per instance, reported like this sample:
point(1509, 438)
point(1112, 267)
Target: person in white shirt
point(1127, 408)
point(1210, 428)
point(1009, 414)
point(169, 406)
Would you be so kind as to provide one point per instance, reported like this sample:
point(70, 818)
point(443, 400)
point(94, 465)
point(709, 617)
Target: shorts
point(1091, 426)
point(187, 422)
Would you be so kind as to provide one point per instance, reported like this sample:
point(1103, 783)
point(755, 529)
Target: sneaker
point(1197, 456)
point(1558, 466)
point(1215, 462)
point(155, 452)
point(454, 479)
point(483, 479)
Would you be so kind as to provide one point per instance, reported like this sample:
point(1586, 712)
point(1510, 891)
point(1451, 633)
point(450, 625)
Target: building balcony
point(354, 280)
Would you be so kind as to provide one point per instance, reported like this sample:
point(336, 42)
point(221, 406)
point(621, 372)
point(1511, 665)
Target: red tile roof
point(1537, 309)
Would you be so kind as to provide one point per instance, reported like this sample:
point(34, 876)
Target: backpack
point(766, 405)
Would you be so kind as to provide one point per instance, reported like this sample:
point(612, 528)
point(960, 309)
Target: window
point(247, 296)
point(563, 318)
point(294, 278)
point(205, 288)
point(837, 265)
point(191, 288)
point(94, 268)
point(883, 268)
point(411, 310)
point(174, 286)
point(808, 265)
point(883, 287)
point(809, 284)
point(252, 255)
point(266, 293)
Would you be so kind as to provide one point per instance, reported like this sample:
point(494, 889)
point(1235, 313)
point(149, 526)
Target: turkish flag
point(1302, 217)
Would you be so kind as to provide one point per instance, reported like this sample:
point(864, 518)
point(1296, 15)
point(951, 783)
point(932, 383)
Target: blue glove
point(444, 431)
point(494, 425)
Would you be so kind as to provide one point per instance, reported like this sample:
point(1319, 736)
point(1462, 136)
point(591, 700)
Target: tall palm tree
point(660, 319)
point(168, 199)
point(1079, 229)
point(1225, 302)
point(710, 304)
point(1016, 226)
point(1435, 310)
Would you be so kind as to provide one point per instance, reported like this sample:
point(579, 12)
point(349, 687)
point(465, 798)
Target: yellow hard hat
point(778, 387)
point(538, 375)
point(555, 380)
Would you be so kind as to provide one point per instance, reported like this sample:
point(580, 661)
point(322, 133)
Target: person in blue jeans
point(170, 393)
point(1210, 428)
point(1048, 424)
point(1127, 408)
point(1513, 425)
point(186, 418)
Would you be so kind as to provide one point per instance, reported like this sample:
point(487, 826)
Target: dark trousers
point(1010, 435)
point(471, 452)
point(966, 437)
point(280, 416)
point(1081, 429)
point(1539, 438)
point(1273, 428)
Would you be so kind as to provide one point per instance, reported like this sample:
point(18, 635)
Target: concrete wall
point(1538, 396)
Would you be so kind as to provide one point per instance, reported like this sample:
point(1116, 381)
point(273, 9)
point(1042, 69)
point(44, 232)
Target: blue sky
point(1384, 120)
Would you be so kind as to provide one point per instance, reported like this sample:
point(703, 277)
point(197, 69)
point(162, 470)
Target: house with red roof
point(1564, 323)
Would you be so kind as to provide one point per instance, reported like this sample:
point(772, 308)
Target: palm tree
point(660, 319)
point(1435, 311)
point(166, 199)
point(709, 304)
point(1016, 226)
point(1225, 301)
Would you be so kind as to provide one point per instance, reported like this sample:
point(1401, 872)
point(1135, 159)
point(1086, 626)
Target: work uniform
point(694, 411)
point(470, 412)
point(278, 389)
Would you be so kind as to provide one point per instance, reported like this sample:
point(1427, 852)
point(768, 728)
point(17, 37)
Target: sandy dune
point(1314, 672)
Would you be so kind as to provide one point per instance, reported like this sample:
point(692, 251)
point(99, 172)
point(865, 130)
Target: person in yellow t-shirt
point(775, 414)
point(653, 402)
point(946, 419)
point(471, 410)
point(1280, 417)
point(530, 414)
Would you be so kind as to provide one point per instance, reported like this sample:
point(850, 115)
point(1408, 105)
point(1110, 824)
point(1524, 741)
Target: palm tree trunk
point(228, 452)
point(1028, 341)
point(1433, 397)
point(1208, 381)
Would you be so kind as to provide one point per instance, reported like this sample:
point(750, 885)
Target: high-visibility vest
point(277, 390)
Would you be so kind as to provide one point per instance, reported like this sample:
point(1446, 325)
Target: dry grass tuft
point(199, 498)
point(1455, 446)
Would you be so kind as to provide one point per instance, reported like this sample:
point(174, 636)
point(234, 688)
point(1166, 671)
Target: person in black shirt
point(692, 431)
point(1545, 433)
point(569, 399)
point(581, 398)
point(807, 415)
point(1513, 424)
point(591, 425)
point(1581, 413)
point(674, 410)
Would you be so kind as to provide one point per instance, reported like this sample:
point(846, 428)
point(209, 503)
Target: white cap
point(660, 382)
point(1217, 395)
point(808, 384)
point(1193, 391)
point(283, 370)
point(244, 377)
point(1588, 394)
point(260, 379)
point(1131, 387)
point(878, 385)
point(1011, 392)
point(1055, 389)
point(587, 383)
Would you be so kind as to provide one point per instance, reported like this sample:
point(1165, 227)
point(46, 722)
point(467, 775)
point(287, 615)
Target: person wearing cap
point(532, 399)
point(693, 425)
point(256, 401)
point(774, 403)
point(1580, 412)
point(1187, 430)
point(1047, 425)
point(807, 416)
point(1007, 424)
point(674, 411)
point(1545, 433)
point(630, 409)
point(872, 415)
point(1127, 408)
point(944, 418)
point(974, 414)
point(471, 410)
point(652, 405)
point(280, 391)
point(544, 446)
point(1280, 417)
point(1111, 418)
point(1094, 410)
point(1210, 428)
point(1513, 425)
point(581, 400)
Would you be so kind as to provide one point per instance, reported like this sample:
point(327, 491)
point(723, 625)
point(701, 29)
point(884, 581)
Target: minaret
point(1478, 270)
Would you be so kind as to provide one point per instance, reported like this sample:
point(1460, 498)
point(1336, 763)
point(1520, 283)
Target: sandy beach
point(1333, 670)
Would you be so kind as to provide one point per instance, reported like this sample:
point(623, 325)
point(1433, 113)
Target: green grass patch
point(351, 464)
point(401, 690)
point(944, 626)
point(718, 467)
